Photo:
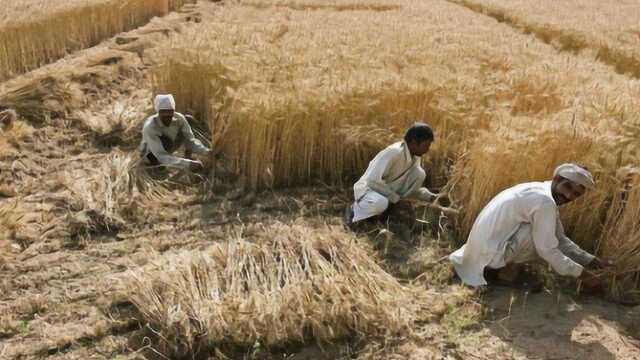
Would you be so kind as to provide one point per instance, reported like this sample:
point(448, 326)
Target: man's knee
point(370, 205)
point(378, 203)
point(521, 248)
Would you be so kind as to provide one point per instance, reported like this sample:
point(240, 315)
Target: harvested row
point(293, 97)
point(27, 40)
point(609, 29)
point(57, 184)
point(273, 287)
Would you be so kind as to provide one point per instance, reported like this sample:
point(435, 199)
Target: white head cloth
point(575, 174)
point(164, 102)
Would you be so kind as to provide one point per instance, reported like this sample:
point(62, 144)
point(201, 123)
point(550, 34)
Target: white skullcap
point(576, 174)
point(164, 102)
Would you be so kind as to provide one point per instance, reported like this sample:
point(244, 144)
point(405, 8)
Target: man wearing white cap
point(165, 132)
point(522, 224)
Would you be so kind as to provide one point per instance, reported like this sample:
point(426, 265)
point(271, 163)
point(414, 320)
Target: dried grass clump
point(118, 123)
point(27, 40)
point(287, 284)
point(11, 222)
point(43, 98)
point(103, 199)
point(94, 196)
point(12, 133)
point(7, 119)
point(10, 213)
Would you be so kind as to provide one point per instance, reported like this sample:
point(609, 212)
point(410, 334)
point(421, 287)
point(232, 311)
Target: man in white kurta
point(393, 175)
point(522, 224)
point(164, 132)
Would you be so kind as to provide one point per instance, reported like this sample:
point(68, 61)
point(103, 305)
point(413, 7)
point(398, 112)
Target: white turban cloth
point(575, 174)
point(164, 102)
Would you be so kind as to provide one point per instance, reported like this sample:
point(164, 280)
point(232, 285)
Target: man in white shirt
point(393, 177)
point(522, 224)
point(164, 132)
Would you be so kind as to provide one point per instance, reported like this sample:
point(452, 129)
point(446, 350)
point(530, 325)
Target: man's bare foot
point(513, 276)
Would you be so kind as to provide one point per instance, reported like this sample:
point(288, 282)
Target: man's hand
point(427, 196)
point(589, 280)
point(196, 166)
point(433, 201)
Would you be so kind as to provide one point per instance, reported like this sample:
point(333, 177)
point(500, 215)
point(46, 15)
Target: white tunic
point(392, 175)
point(153, 129)
point(530, 205)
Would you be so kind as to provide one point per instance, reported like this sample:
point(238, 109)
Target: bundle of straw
point(287, 284)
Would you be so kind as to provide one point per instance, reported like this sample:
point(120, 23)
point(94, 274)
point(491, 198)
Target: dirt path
point(562, 326)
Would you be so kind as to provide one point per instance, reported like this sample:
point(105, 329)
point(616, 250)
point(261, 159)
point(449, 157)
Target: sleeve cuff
point(588, 258)
point(576, 271)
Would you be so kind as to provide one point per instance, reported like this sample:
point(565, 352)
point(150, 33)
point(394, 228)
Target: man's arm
point(545, 219)
point(154, 145)
point(570, 249)
point(378, 166)
point(191, 143)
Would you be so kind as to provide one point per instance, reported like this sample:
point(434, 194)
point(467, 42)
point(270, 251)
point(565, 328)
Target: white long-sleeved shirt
point(530, 203)
point(153, 129)
point(394, 174)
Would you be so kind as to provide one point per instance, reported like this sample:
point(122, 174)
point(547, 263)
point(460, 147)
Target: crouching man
point(522, 224)
point(164, 132)
point(393, 178)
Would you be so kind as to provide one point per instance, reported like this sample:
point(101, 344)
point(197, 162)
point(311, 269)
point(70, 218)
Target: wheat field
point(294, 97)
point(606, 30)
point(28, 39)
point(102, 258)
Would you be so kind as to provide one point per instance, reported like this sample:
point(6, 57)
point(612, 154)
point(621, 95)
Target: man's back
point(496, 223)
point(514, 206)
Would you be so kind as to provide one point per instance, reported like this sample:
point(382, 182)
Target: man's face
point(565, 191)
point(419, 148)
point(165, 116)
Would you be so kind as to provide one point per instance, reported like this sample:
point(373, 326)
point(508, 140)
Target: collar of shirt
point(407, 153)
point(156, 119)
point(547, 191)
